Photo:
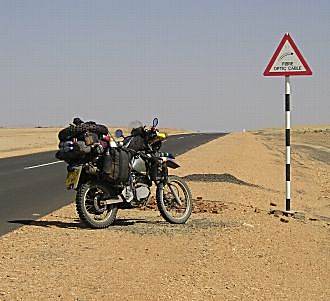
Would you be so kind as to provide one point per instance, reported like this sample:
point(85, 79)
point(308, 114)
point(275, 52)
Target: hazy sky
point(194, 64)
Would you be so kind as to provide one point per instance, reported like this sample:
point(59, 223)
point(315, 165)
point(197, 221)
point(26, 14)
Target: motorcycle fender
point(171, 163)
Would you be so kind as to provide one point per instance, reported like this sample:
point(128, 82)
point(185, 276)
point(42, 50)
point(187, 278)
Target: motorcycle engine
point(142, 193)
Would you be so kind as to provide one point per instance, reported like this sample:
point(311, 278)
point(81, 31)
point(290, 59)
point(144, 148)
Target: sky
point(193, 64)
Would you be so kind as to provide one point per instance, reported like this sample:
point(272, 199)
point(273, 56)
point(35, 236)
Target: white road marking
point(41, 165)
point(180, 138)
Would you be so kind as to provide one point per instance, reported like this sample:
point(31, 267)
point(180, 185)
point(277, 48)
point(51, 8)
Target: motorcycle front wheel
point(174, 200)
point(90, 208)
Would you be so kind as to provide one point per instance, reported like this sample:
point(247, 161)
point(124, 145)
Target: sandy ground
point(16, 142)
point(23, 141)
point(235, 250)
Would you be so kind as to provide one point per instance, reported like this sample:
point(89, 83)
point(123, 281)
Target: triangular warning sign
point(287, 60)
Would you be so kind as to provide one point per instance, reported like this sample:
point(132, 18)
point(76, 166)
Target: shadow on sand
point(120, 222)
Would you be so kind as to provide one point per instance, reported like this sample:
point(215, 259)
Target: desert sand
point(23, 141)
point(230, 249)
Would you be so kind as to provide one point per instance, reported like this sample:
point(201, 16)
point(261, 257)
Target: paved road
point(32, 186)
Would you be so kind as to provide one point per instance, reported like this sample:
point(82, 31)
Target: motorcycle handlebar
point(133, 152)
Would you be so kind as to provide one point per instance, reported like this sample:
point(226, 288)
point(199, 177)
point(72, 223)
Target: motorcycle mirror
point(155, 122)
point(119, 133)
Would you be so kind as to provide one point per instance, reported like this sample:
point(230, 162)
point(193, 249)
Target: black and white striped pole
point(286, 61)
point(287, 144)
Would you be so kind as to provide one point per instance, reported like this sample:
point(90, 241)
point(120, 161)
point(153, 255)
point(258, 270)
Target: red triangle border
point(288, 38)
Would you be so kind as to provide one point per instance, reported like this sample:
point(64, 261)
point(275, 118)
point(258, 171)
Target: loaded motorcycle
point(109, 174)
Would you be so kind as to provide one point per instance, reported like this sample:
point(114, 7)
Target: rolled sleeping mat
point(78, 131)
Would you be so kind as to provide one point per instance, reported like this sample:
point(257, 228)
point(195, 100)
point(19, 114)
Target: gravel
point(155, 226)
point(217, 178)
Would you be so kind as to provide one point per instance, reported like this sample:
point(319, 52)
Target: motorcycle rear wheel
point(167, 204)
point(91, 212)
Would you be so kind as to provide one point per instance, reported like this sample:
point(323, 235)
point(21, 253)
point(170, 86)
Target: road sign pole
point(287, 144)
point(286, 61)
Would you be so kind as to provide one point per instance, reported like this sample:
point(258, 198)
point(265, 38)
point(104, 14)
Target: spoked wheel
point(90, 207)
point(174, 200)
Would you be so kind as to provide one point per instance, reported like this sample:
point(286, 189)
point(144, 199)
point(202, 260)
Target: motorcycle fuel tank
point(139, 165)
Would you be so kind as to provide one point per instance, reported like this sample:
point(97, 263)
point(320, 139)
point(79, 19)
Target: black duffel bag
point(137, 140)
point(116, 165)
point(78, 131)
point(73, 151)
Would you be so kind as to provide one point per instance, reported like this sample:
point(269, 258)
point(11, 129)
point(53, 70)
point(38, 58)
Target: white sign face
point(287, 60)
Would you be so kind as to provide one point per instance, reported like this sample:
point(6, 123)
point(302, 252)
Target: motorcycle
point(121, 175)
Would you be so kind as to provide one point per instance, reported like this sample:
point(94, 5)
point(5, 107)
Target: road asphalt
point(32, 186)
